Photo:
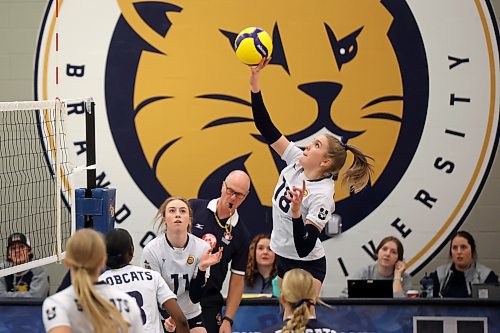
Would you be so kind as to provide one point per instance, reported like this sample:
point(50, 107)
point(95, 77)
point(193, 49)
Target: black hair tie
point(309, 302)
point(345, 145)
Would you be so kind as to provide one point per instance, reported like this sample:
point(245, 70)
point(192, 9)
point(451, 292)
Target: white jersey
point(178, 266)
point(317, 206)
point(147, 287)
point(62, 309)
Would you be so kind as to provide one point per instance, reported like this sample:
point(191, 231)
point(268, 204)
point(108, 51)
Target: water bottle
point(427, 286)
point(276, 288)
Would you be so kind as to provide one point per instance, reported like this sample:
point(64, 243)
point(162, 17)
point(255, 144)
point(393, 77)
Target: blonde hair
point(161, 212)
point(299, 291)
point(85, 254)
point(358, 174)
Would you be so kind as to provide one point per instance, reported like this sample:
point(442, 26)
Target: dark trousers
point(212, 318)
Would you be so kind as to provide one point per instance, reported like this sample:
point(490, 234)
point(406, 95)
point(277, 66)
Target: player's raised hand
point(208, 259)
point(295, 196)
point(255, 73)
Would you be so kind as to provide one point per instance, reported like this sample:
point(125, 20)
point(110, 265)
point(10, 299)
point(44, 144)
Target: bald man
point(217, 222)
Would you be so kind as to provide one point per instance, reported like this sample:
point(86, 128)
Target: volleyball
point(252, 44)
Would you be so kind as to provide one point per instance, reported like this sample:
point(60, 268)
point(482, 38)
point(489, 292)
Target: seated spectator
point(389, 266)
point(33, 282)
point(261, 266)
point(298, 297)
point(455, 278)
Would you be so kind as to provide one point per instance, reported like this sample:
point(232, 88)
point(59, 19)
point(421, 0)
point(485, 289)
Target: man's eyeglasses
point(232, 192)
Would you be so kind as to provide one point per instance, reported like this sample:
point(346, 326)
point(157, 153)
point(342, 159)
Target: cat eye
point(344, 49)
point(278, 56)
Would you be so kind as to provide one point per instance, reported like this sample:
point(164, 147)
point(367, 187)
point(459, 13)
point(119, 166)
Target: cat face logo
point(51, 313)
point(340, 86)
point(174, 115)
point(322, 214)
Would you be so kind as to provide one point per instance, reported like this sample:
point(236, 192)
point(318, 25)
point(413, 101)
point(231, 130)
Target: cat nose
point(323, 92)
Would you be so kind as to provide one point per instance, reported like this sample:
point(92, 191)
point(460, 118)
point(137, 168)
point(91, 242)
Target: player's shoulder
point(198, 243)
point(155, 243)
point(65, 296)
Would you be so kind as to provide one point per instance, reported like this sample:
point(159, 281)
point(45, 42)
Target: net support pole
point(57, 175)
point(91, 156)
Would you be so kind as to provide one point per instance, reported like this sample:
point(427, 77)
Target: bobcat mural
point(185, 103)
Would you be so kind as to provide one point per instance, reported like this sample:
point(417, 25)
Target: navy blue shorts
point(317, 267)
point(196, 321)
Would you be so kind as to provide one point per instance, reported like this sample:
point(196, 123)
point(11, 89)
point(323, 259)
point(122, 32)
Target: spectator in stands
point(86, 305)
point(146, 286)
point(389, 266)
point(261, 266)
point(298, 297)
point(33, 282)
point(455, 278)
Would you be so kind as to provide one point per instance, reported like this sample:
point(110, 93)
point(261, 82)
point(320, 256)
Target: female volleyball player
point(88, 306)
point(303, 198)
point(146, 286)
point(298, 297)
point(182, 259)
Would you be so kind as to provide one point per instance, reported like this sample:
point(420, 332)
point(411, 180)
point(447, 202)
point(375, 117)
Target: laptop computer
point(484, 290)
point(369, 288)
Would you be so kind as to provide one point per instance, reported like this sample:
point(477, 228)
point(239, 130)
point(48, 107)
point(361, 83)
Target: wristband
point(228, 319)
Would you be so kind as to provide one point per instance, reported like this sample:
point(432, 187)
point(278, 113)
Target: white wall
point(20, 21)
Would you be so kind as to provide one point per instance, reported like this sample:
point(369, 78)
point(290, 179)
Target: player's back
point(146, 286)
point(63, 309)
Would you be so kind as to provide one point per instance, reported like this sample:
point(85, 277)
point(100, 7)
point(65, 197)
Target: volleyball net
point(35, 181)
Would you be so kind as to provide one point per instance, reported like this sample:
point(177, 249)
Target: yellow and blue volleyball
point(252, 44)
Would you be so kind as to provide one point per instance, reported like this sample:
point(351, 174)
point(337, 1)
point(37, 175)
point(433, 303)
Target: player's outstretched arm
point(175, 312)
point(261, 116)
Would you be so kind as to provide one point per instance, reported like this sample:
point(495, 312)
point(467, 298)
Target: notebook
point(369, 288)
point(483, 290)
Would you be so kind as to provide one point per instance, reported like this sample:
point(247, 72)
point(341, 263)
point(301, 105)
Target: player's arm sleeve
point(262, 119)
point(196, 287)
point(304, 236)
point(199, 280)
point(54, 315)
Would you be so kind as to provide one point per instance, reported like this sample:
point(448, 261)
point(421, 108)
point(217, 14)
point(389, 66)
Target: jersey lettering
point(120, 304)
point(175, 277)
point(283, 202)
point(140, 301)
point(128, 277)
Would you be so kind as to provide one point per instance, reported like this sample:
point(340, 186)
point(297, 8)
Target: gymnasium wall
point(20, 22)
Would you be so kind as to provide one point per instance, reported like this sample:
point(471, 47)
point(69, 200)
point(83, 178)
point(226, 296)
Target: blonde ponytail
point(85, 254)
point(358, 175)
